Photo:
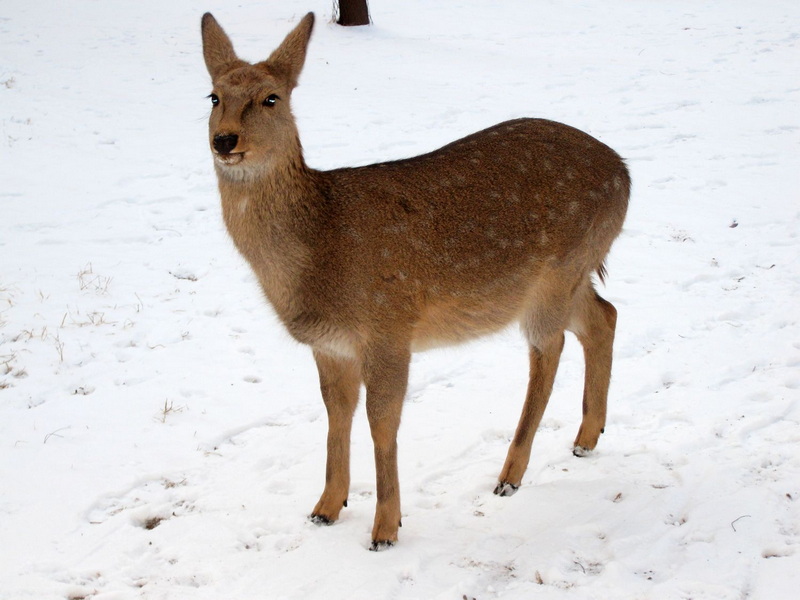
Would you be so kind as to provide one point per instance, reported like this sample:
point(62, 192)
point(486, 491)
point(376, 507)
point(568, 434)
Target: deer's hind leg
point(544, 327)
point(593, 322)
point(340, 382)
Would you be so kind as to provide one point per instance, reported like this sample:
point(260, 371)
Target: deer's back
point(521, 190)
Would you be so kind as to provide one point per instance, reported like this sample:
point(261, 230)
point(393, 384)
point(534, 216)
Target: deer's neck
point(272, 218)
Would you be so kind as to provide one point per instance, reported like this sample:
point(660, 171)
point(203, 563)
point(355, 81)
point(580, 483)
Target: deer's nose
point(225, 143)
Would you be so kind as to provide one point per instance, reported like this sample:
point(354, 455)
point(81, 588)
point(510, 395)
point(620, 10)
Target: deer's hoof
point(581, 452)
point(504, 488)
point(380, 546)
point(320, 520)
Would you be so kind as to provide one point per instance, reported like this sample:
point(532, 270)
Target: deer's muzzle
point(224, 144)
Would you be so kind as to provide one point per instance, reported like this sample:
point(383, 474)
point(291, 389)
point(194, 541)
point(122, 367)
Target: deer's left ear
point(287, 60)
point(217, 47)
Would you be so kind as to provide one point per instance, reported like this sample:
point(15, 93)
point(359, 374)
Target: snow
point(163, 438)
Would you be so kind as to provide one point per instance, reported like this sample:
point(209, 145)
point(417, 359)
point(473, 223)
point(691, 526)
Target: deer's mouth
point(229, 159)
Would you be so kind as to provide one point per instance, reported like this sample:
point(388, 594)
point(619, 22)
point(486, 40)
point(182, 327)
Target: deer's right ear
point(217, 47)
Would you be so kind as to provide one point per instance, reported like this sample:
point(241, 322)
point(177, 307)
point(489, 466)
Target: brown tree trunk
point(353, 12)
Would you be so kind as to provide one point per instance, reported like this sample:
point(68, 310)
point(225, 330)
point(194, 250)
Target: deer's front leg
point(340, 380)
point(386, 379)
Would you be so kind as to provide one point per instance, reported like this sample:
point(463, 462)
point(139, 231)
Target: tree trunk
point(353, 12)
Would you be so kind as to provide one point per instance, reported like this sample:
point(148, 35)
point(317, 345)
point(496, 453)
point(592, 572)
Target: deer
point(368, 264)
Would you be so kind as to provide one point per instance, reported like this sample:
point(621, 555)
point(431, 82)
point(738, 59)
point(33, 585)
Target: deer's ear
point(287, 60)
point(217, 47)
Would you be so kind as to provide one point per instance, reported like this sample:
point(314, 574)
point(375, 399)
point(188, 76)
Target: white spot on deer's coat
point(396, 228)
point(352, 233)
point(442, 258)
point(242, 206)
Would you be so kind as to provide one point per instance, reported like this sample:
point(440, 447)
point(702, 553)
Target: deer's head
point(251, 126)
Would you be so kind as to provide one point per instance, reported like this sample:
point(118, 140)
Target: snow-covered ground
point(161, 437)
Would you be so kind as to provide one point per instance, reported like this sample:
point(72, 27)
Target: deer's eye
point(271, 100)
point(214, 99)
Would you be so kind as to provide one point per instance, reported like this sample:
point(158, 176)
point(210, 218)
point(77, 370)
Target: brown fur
point(369, 264)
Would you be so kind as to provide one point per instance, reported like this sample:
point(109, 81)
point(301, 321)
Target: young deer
point(368, 264)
